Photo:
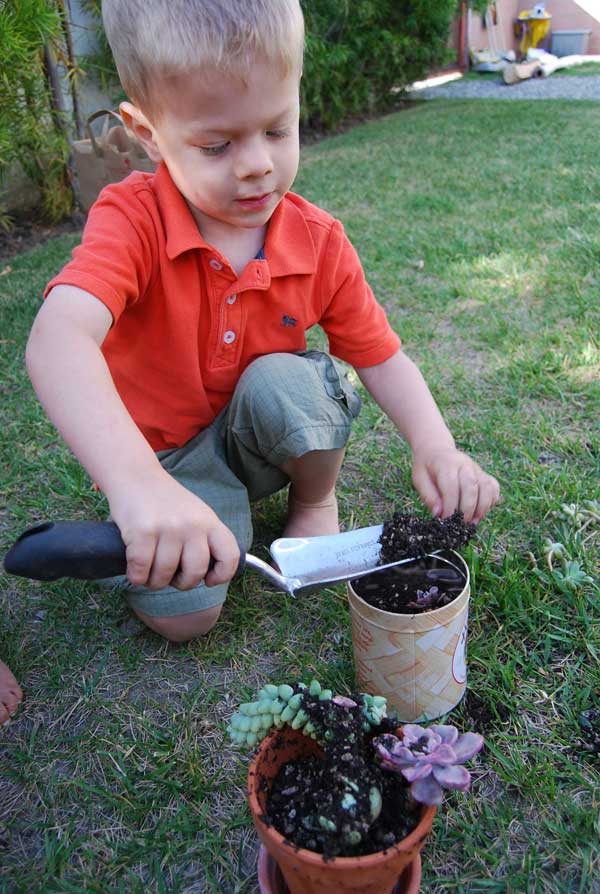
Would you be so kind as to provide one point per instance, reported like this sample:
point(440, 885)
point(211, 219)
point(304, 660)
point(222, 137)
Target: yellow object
point(533, 28)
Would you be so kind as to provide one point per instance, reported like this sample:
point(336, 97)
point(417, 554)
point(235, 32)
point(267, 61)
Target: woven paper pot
point(418, 662)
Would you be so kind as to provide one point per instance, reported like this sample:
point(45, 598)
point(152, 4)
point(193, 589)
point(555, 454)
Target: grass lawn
point(478, 226)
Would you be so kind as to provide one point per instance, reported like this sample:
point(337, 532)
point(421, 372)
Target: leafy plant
point(427, 758)
point(32, 131)
point(565, 563)
point(360, 54)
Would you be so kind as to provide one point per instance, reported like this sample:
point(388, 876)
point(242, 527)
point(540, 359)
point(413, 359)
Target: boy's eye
point(214, 150)
point(278, 134)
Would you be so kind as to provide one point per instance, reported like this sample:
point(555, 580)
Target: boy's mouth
point(255, 201)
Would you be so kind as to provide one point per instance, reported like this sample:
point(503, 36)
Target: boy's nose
point(254, 160)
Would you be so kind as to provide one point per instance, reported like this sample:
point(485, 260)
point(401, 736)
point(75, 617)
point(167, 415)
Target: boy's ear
point(135, 120)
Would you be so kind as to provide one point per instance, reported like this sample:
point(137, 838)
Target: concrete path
point(565, 87)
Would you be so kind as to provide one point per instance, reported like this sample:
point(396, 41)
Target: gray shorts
point(284, 406)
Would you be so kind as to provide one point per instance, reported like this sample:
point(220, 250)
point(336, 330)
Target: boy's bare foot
point(10, 694)
point(311, 519)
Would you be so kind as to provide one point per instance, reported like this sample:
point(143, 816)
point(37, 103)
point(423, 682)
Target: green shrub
point(29, 133)
point(358, 50)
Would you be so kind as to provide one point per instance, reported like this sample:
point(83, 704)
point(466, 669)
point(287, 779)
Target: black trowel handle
point(86, 550)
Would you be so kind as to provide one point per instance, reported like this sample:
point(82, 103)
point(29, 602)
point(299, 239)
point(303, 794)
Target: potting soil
point(305, 803)
point(411, 589)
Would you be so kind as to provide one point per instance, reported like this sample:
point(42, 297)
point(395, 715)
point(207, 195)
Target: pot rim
point(431, 614)
point(420, 831)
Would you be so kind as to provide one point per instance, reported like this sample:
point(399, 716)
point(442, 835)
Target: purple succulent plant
point(429, 759)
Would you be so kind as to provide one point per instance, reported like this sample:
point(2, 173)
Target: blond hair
point(154, 39)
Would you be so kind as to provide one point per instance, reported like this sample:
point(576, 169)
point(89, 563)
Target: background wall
point(567, 15)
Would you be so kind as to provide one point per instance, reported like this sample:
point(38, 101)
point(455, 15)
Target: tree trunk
point(72, 67)
point(57, 100)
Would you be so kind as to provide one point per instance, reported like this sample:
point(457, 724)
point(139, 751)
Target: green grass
point(486, 253)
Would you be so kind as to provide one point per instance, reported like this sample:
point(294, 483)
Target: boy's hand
point(447, 479)
point(170, 535)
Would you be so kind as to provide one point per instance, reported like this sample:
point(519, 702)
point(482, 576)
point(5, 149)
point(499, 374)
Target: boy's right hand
point(170, 535)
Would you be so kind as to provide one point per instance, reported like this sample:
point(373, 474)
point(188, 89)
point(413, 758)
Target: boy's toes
point(8, 707)
point(11, 694)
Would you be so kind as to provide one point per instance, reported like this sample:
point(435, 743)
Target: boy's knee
point(276, 387)
point(267, 376)
point(182, 628)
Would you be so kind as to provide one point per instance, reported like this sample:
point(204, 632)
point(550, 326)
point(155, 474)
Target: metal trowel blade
point(330, 558)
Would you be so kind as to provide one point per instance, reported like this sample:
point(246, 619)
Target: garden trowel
point(94, 550)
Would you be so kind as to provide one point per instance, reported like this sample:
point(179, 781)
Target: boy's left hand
point(448, 479)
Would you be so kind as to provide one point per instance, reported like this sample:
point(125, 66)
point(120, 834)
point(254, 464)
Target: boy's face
point(231, 147)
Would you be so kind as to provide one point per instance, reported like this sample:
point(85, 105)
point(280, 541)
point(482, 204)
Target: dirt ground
point(28, 230)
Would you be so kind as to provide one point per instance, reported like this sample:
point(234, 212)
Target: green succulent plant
point(275, 706)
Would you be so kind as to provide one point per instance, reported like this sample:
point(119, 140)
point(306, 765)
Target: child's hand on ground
point(447, 479)
point(170, 535)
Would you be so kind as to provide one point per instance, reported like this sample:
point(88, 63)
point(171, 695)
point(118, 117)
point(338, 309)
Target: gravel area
point(571, 87)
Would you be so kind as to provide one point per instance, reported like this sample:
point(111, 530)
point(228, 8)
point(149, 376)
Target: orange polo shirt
point(186, 326)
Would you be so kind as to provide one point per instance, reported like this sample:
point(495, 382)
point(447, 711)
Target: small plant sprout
point(426, 598)
point(572, 577)
point(566, 564)
point(553, 550)
point(429, 759)
point(581, 517)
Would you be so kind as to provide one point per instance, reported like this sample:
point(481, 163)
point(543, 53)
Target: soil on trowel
point(406, 535)
point(422, 585)
point(305, 803)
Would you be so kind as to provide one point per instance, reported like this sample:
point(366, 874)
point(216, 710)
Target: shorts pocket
point(335, 380)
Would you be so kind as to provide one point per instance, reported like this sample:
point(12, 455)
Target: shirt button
point(232, 299)
point(229, 337)
point(216, 265)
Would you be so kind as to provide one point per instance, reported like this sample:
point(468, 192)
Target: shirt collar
point(180, 227)
point(289, 248)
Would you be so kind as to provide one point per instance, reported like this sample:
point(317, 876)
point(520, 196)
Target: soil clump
point(407, 535)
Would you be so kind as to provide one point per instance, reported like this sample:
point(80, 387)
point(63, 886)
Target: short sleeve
point(355, 323)
point(118, 252)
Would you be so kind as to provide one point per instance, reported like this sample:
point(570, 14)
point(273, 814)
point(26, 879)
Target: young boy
point(170, 352)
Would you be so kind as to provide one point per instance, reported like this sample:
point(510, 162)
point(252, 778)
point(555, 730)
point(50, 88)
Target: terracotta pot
point(304, 871)
point(418, 662)
point(271, 881)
